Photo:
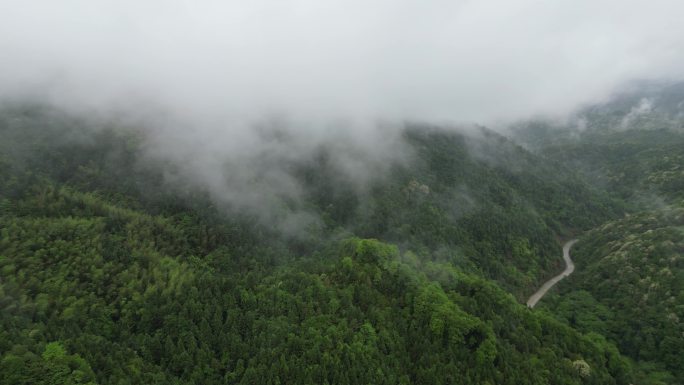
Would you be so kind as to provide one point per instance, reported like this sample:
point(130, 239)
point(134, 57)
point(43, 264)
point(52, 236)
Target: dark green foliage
point(107, 278)
point(630, 275)
point(363, 316)
point(476, 200)
point(629, 286)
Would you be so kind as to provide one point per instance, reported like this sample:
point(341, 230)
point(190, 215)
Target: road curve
point(569, 268)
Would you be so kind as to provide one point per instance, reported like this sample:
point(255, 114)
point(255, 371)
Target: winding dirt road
point(569, 268)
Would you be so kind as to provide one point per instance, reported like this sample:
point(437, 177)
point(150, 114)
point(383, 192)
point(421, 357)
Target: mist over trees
point(110, 275)
point(336, 192)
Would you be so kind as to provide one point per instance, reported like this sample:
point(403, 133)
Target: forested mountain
point(342, 192)
point(629, 286)
point(643, 167)
point(475, 200)
point(472, 198)
point(629, 275)
point(111, 275)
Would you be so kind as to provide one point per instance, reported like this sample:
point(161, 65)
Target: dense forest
point(110, 273)
point(111, 276)
point(630, 276)
point(629, 287)
point(341, 192)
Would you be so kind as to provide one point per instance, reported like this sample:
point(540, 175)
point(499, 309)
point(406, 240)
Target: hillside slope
point(109, 276)
point(628, 281)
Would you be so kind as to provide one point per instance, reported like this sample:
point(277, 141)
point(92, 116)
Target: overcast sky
point(480, 60)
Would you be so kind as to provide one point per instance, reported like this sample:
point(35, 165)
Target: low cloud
point(476, 61)
point(236, 92)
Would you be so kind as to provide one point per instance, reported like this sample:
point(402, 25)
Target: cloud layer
point(431, 60)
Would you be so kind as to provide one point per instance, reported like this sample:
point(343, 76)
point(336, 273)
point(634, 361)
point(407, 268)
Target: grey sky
point(482, 61)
